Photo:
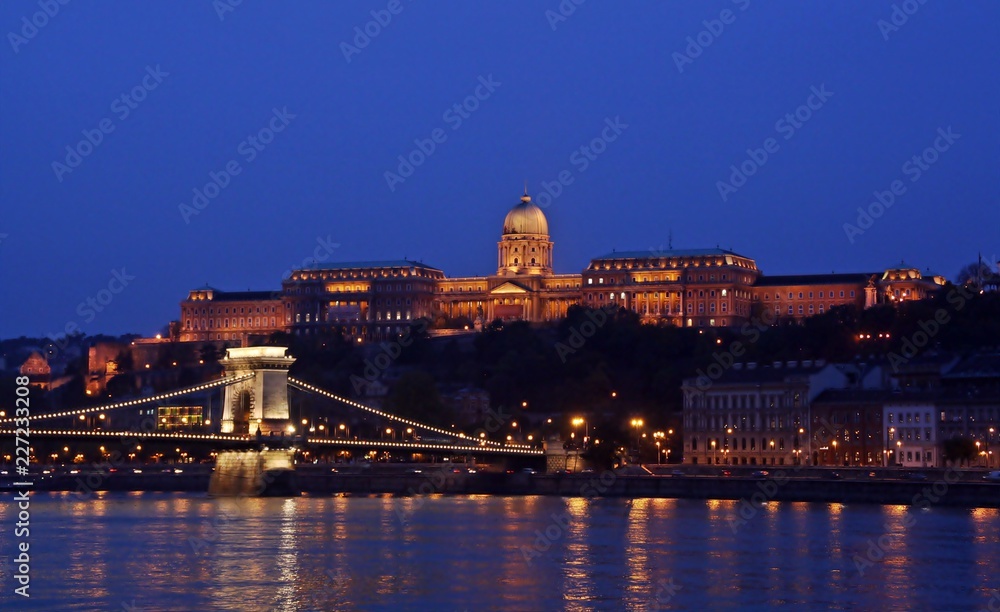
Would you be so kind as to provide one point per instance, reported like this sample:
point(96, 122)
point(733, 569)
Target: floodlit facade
point(683, 287)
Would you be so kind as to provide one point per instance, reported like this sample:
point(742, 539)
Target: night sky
point(198, 85)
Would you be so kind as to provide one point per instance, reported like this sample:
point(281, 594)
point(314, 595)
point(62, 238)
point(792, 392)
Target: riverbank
point(941, 488)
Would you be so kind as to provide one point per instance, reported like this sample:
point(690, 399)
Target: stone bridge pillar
point(258, 402)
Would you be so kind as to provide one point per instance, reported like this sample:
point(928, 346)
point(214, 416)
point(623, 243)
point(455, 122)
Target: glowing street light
point(636, 423)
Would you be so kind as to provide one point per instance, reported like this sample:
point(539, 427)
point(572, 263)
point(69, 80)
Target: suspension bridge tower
point(260, 402)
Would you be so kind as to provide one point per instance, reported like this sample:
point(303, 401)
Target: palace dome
point(525, 218)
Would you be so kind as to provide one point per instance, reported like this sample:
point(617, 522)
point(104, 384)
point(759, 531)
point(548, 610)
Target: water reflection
point(183, 552)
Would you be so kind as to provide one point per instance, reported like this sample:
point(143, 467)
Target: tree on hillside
point(959, 450)
point(415, 396)
point(981, 275)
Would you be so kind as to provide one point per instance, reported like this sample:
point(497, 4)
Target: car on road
point(760, 474)
point(726, 473)
point(834, 476)
point(678, 473)
point(992, 476)
point(530, 471)
point(917, 476)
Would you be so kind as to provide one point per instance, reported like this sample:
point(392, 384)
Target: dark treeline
point(606, 362)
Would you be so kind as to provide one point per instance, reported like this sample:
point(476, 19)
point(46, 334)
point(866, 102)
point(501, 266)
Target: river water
point(164, 551)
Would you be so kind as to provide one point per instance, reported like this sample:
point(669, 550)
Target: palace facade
point(374, 300)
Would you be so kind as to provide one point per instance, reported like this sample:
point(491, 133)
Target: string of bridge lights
point(472, 449)
point(135, 402)
point(307, 387)
point(243, 439)
point(132, 434)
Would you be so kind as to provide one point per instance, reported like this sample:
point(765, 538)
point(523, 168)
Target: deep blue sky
point(323, 176)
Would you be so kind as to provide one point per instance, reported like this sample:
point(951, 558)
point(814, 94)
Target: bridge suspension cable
point(136, 402)
point(314, 389)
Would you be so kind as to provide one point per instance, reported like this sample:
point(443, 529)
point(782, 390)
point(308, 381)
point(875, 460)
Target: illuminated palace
point(380, 299)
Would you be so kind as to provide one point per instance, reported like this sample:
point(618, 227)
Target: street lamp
point(977, 449)
point(586, 428)
point(658, 436)
point(345, 430)
point(835, 459)
point(636, 423)
point(899, 452)
point(798, 446)
point(715, 454)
